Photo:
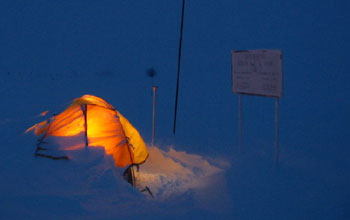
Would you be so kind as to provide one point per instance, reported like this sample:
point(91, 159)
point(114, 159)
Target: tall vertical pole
point(240, 122)
point(179, 63)
point(154, 88)
point(276, 129)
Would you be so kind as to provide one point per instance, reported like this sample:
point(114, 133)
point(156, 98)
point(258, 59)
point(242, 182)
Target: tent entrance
point(130, 175)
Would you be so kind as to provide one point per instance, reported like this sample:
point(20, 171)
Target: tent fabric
point(101, 125)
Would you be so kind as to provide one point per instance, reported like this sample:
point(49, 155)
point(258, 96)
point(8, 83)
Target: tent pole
point(84, 109)
point(133, 176)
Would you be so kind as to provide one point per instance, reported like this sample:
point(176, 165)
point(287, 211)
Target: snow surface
point(307, 185)
point(89, 186)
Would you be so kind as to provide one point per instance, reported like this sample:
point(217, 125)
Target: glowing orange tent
point(91, 122)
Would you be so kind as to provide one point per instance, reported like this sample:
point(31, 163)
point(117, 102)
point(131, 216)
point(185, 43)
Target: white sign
point(257, 72)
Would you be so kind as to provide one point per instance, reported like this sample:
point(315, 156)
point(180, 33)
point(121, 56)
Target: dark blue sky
point(116, 41)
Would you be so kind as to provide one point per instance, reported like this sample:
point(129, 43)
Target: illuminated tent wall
point(90, 122)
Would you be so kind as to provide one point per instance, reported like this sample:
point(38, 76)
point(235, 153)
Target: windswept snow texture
point(54, 51)
point(185, 185)
point(173, 173)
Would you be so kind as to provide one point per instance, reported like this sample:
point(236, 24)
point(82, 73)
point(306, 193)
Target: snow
point(89, 186)
point(185, 184)
point(174, 173)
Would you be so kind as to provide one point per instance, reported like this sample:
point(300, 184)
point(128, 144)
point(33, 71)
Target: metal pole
point(240, 122)
point(154, 88)
point(179, 64)
point(276, 130)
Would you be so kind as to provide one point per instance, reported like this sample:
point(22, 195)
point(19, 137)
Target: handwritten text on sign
point(257, 72)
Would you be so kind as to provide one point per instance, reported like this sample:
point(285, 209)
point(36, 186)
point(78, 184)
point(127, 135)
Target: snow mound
point(174, 172)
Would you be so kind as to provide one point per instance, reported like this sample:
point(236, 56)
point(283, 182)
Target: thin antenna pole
point(179, 63)
point(154, 88)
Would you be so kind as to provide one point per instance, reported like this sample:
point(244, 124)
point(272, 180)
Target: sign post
point(276, 129)
point(240, 122)
point(257, 72)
